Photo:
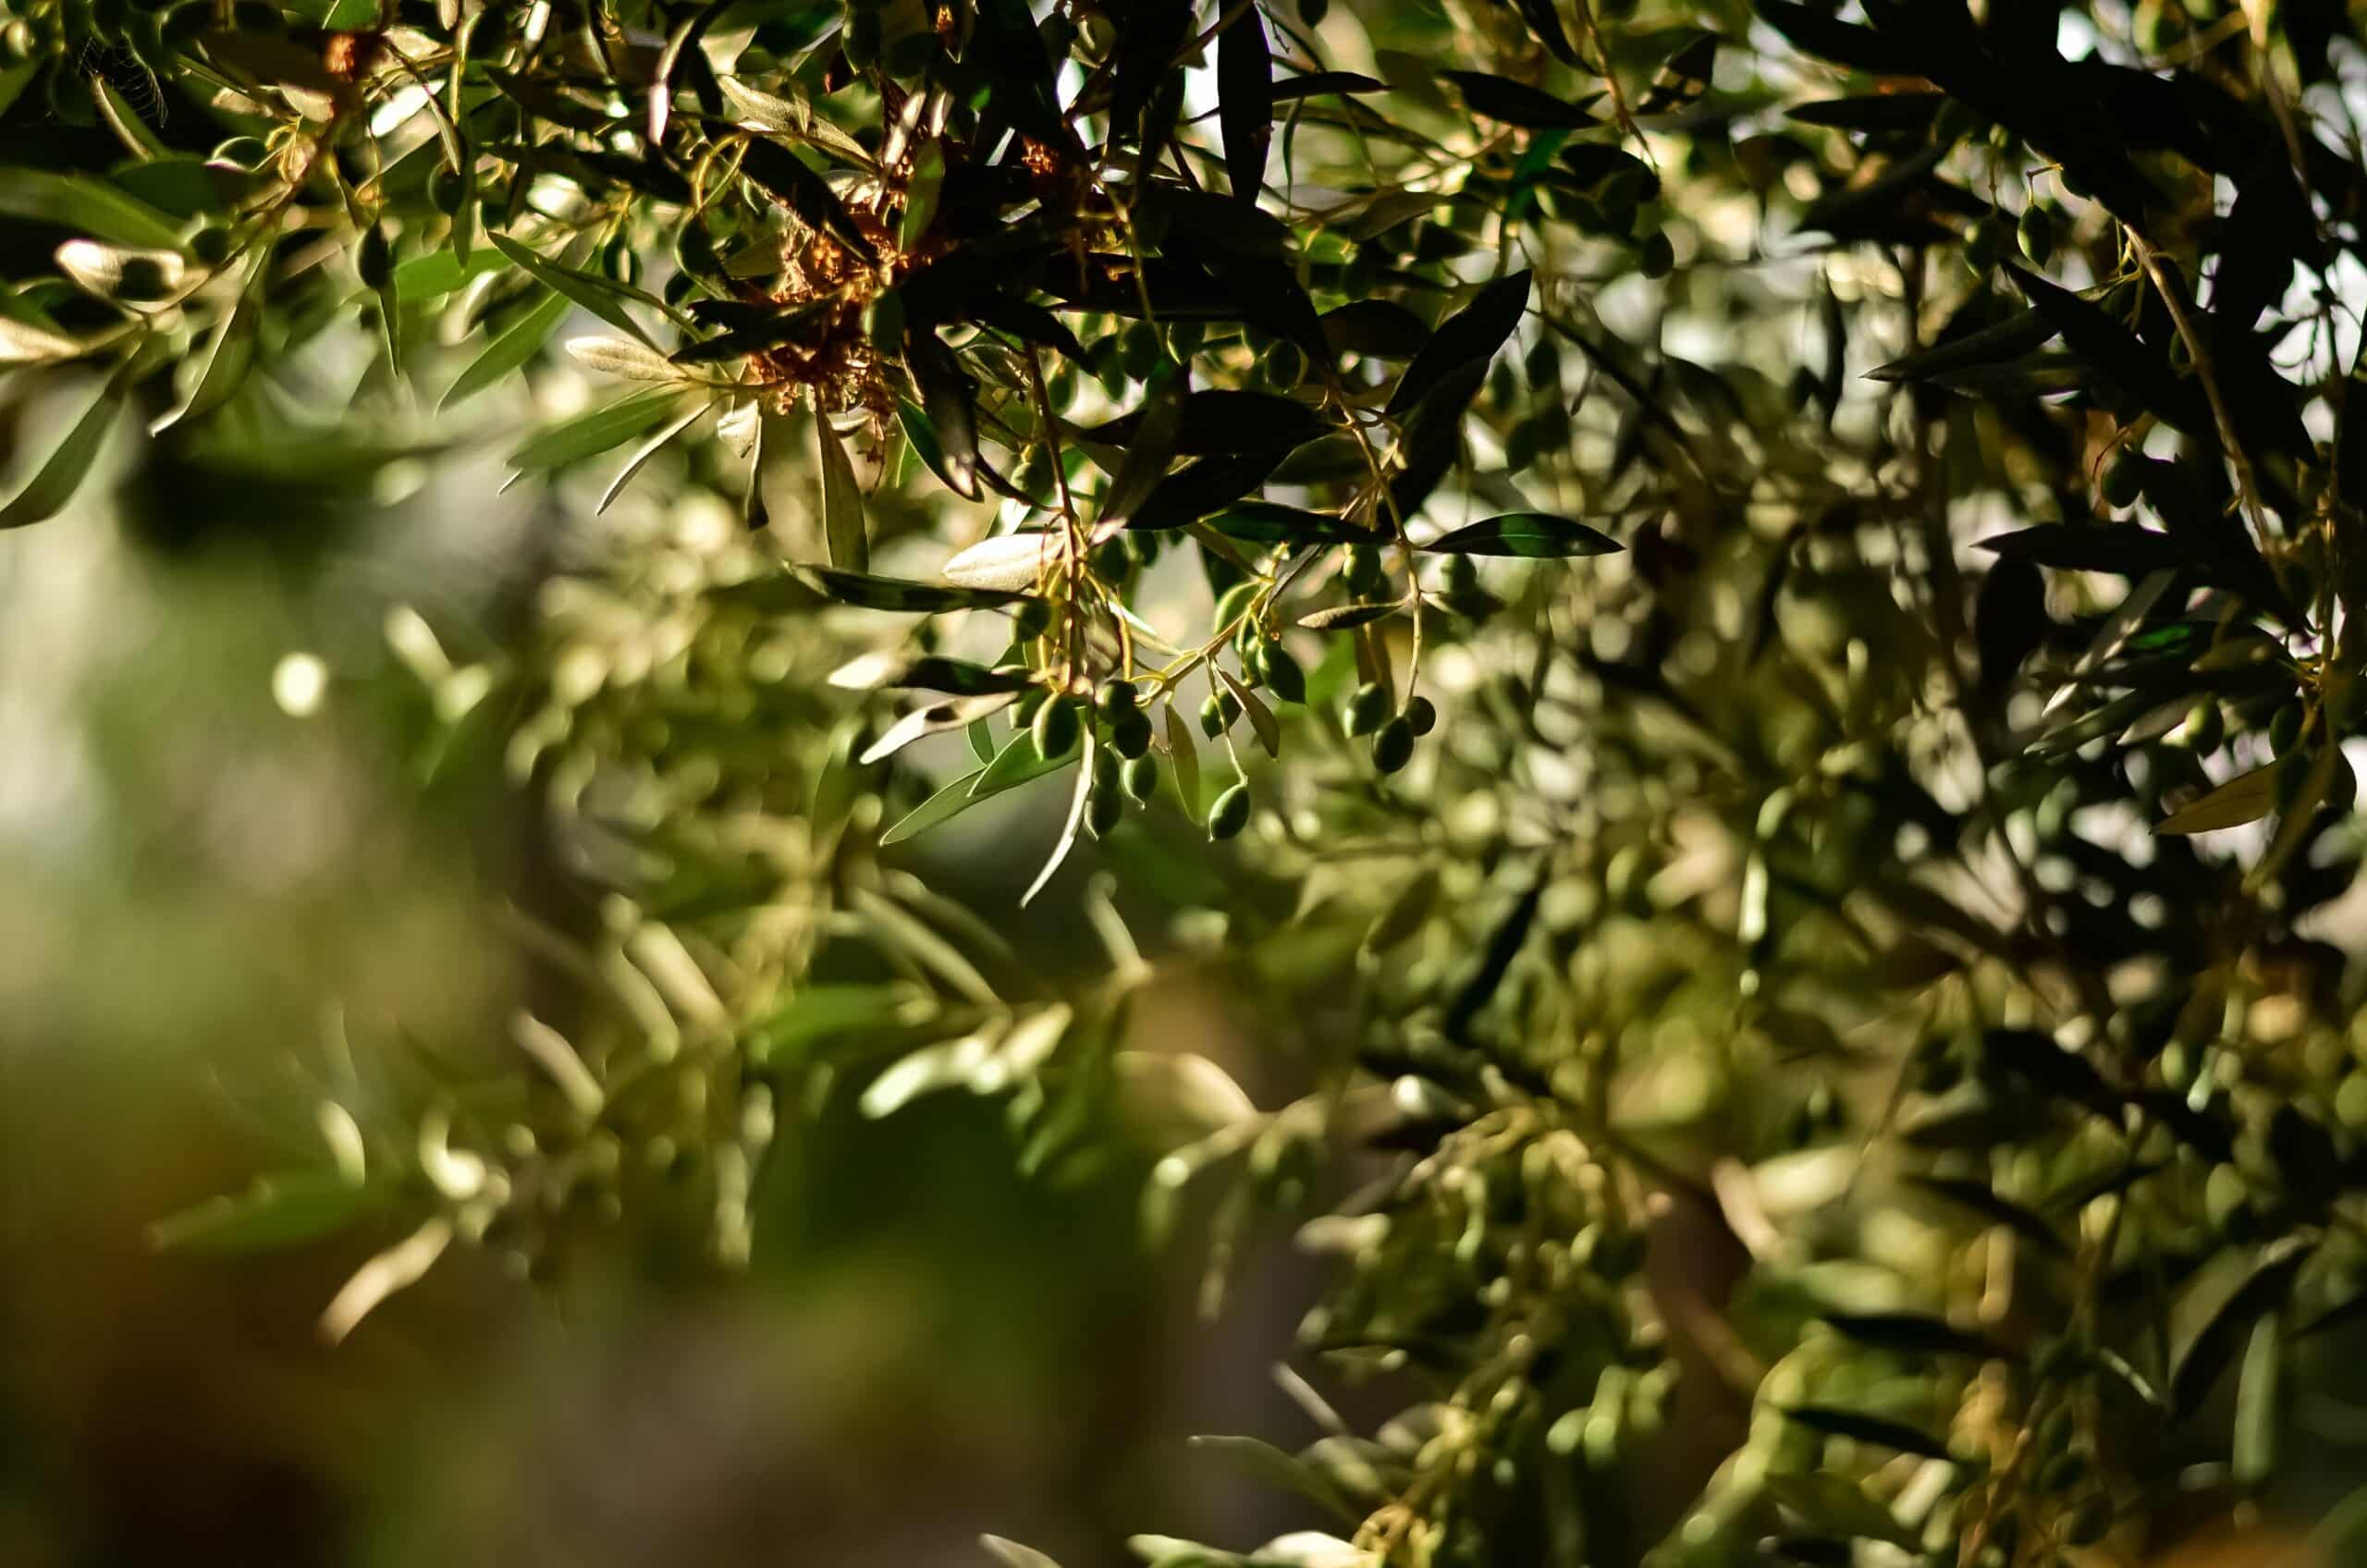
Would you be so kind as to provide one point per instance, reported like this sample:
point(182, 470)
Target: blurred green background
point(202, 897)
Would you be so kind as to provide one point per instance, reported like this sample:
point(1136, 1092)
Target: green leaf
point(1835, 1505)
point(933, 718)
point(1245, 101)
point(276, 1211)
point(510, 351)
point(1183, 754)
point(1014, 1555)
point(1078, 799)
point(2263, 1292)
point(1514, 103)
point(1270, 522)
point(1150, 447)
point(1471, 335)
point(1913, 1334)
point(952, 416)
point(786, 177)
point(1982, 1200)
point(818, 1013)
point(1269, 1464)
point(1341, 618)
point(85, 206)
point(928, 672)
point(1858, 1426)
point(843, 527)
point(953, 799)
point(2259, 1405)
point(62, 472)
point(1261, 718)
point(594, 431)
point(1532, 535)
point(900, 593)
point(219, 372)
point(603, 297)
point(442, 272)
point(646, 451)
point(1017, 761)
point(2248, 797)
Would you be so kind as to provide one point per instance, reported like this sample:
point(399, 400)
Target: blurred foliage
point(1756, 599)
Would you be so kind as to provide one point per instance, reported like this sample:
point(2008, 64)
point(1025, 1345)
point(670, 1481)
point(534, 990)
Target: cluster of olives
point(1123, 768)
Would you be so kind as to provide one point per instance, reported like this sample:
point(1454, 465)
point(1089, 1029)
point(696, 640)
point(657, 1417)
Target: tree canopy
point(1731, 621)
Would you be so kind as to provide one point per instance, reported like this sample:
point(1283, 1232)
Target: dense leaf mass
point(1734, 619)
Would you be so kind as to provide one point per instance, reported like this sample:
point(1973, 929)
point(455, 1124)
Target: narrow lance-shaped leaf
point(1500, 98)
point(1069, 828)
point(842, 528)
point(2263, 1292)
point(785, 175)
point(953, 416)
point(1472, 334)
point(510, 351)
point(1534, 534)
point(866, 592)
point(594, 431)
point(1859, 1427)
point(602, 297)
point(1245, 102)
point(62, 472)
point(1183, 754)
point(220, 371)
point(646, 451)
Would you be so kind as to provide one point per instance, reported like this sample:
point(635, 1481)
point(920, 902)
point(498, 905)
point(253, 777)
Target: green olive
point(1141, 778)
point(1392, 748)
point(1230, 815)
point(1056, 729)
point(1422, 716)
point(1368, 709)
point(1130, 734)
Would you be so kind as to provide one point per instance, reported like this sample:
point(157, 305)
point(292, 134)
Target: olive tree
point(1732, 620)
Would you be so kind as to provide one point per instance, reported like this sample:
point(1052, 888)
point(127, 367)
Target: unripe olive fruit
point(1056, 729)
point(1116, 699)
point(375, 259)
point(1367, 710)
point(2285, 729)
point(2037, 234)
point(1141, 778)
point(1230, 815)
point(1421, 715)
point(1104, 812)
point(1130, 734)
point(1392, 748)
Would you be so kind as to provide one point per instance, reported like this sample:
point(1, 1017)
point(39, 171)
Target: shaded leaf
point(1535, 534)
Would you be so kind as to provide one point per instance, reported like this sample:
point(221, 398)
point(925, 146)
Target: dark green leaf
point(786, 177)
point(842, 528)
point(946, 399)
point(1500, 98)
point(1469, 337)
point(595, 430)
point(1913, 1334)
point(1534, 534)
point(2263, 1292)
point(510, 351)
point(1245, 101)
point(62, 471)
point(900, 594)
